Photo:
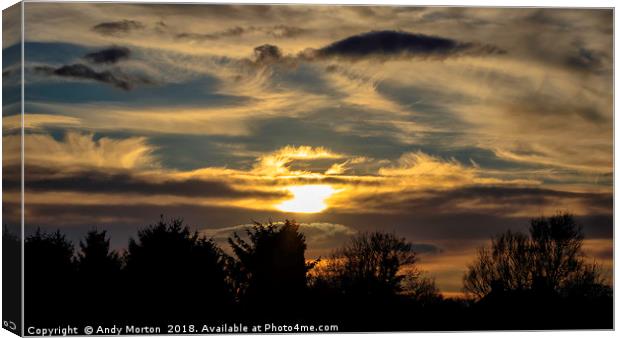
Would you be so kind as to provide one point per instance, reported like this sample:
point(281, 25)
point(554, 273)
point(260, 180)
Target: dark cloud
point(80, 71)
point(381, 45)
point(267, 54)
point(391, 44)
point(133, 214)
point(109, 55)
point(125, 183)
point(538, 105)
point(585, 59)
point(505, 200)
point(425, 248)
point(117, 28)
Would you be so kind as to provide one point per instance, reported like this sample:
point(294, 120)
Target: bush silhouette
point(271, 264)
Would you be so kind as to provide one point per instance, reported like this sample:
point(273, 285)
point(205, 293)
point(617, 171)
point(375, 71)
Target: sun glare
point(307, 198)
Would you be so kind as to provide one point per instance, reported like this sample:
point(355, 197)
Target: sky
point(442, 125)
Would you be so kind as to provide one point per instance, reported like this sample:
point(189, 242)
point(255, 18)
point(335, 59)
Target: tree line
point(536, 280)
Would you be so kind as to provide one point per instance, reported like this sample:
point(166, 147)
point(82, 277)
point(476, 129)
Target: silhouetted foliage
point(168, 266)
point(49, 275)
point(99, 272)
point(168, 273)
point(95, 257)
point(271, 263)
point(12, 272)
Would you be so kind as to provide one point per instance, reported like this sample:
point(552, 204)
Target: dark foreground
point(173, 281)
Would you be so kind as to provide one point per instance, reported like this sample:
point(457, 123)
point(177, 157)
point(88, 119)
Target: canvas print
point(224, 168)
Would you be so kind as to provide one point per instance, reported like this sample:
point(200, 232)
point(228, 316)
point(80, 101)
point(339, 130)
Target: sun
point(307, 198)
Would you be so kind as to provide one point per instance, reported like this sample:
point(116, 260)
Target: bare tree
point(547, 262)
point(375, 264)
point(504, 267)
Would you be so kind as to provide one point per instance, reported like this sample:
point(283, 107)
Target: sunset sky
point(442, 125)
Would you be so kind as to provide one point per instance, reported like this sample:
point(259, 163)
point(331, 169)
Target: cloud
point(77, 150)
point(420, 170)
point(277, 31)
point(267, 54)
point(277, 162)
point(380, 45)
point(416, 182)
point(321, 237)
point(337, 168)
point(587, 60)
point(39, 121)
point(124, 182)
point(117, 28)
point(399, 44)
point(425, 248)
point(499, 201)
point(231, 32)
point(80, 71)
point(537, 121)
point(284, 31)
point(109, 55)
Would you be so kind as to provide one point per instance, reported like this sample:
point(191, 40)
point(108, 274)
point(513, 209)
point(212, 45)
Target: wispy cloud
point(117, 28)
point(277, 31)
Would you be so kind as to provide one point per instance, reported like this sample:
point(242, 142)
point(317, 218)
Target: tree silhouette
point(374, 264)
point(548, 263)
point(49, 276)
point(505, 267)
point(373, 282)
point(12, 272)
point(168, 273)
point(95, 257)
point(99, 273)
point(415, 285)
point(174, 273)
point(272, 264)
point(541, 280)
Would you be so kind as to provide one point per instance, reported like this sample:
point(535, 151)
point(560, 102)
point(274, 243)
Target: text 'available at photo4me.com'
point(183, 329)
